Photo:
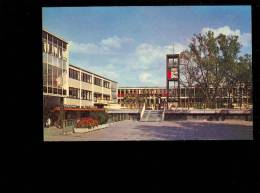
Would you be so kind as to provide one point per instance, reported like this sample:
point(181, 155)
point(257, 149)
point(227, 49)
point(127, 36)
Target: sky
point(129, 44)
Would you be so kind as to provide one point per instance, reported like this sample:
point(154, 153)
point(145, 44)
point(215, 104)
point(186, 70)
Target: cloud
point(114, 42)
point(145, 77)
point(89, 48)
point(147, 55)
point(244, 38)
point(105, 46)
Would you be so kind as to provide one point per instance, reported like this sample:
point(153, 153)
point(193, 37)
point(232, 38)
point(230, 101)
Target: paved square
point(165, 130)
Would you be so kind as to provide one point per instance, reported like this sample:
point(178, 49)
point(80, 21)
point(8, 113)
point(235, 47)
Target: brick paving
point(165, 130)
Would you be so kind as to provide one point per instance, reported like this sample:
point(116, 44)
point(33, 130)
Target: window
point(44, 45)
point(106, 97)
point(44, 35)
point(106, 84)
point(55, 72)
point(86, 95)
point(74, 93)
point(86, 78)
point(74, 74)
point(97, 81)
point(49, 75)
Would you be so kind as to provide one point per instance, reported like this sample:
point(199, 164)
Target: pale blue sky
point(129, 44)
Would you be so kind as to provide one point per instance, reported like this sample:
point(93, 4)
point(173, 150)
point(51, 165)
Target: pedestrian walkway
point(165, 130)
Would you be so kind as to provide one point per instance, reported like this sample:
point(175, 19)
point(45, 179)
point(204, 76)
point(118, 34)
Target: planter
point(85, 130)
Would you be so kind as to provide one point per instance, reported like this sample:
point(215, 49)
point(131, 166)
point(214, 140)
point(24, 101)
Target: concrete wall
point(216, 116)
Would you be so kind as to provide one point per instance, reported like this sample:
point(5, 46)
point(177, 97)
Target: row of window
point(106, 84)
point(97, 81)
point(75, 93)
point(54, 61)
point(53, 76)
point(74, 74)
point(54, 90)
point(86, 78)
point(184, 92)
point(54, 40)
point(54, 50)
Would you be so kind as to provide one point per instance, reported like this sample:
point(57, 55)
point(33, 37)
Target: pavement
point(165, 130)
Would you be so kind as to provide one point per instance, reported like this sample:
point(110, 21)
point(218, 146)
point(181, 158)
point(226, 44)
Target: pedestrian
point(48, 124)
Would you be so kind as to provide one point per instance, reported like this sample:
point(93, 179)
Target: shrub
point(102, 117)
point(87, 122)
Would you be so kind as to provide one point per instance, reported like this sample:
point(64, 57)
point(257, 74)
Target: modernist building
point(55, 70)
point(67, 85)
point(155, 97)
point(87, 89)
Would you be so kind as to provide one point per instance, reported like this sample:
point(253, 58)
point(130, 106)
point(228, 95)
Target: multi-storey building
point(155, 97)
point(87, 89)
point(55, 69)
point(70, 86)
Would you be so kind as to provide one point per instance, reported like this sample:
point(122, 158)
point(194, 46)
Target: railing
point(69, 123)
point(163, 114)
point(142, 112)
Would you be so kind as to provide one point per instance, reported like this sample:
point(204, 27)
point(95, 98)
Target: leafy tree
point(213, 63)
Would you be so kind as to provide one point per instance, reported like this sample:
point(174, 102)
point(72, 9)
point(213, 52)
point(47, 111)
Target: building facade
point(67, 85)
point(55, 65)
point(87, 89)
point(155, 97)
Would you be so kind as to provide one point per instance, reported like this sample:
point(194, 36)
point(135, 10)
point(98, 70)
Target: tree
point(212, 63)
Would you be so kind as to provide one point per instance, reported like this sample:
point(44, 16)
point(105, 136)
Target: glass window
point(44, 35)
point(50, 75)
point(49, 37)
point(60, 91)
point(44, 89)
point(49, 59)
point(44, 57)
point(64, 45)
point(73, 92)
point(86, 95)
point(44, 45)
point(54, 76)
point(49, 89)
point(59, 78)
point(50, 48)
point(44, 71)
point(55, 40)
point(97, 81)
point(55, 90)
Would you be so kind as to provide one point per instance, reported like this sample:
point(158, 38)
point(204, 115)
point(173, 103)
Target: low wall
point(208, 115)
point(120, 115)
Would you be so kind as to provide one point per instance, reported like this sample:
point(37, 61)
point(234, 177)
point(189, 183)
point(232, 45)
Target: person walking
point(48, 124)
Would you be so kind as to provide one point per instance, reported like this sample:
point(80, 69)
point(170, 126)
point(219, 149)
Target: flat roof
point(55, 35)
point(91, 72)
point(143, 87)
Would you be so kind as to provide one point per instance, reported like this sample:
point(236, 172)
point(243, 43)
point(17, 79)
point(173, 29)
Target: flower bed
point(87, 122)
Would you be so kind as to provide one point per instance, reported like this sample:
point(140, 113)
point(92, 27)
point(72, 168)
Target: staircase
point(152, 115)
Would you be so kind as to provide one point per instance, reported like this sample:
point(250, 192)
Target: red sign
point(172, 73)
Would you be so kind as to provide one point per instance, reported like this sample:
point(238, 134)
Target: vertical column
point(92, 85)
point(167, 83)
point(80, 88)
point(47, 58)
point(61, 113)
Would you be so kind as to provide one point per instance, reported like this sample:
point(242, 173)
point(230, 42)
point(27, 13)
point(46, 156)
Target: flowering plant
point(87, 122)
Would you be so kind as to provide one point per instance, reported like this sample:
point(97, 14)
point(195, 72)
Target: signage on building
point(172, 73)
